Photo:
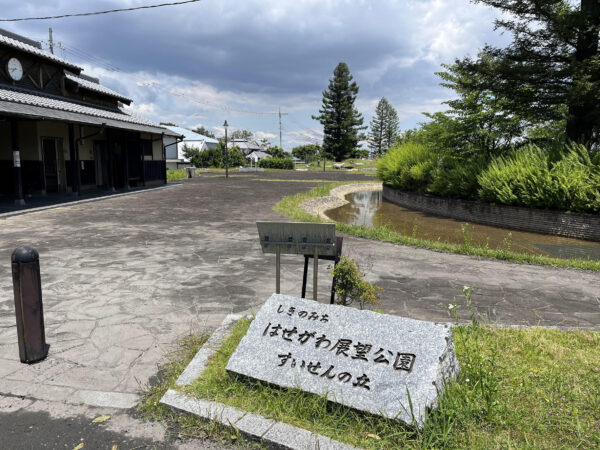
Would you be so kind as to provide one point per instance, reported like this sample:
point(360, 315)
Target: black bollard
point(27, 286)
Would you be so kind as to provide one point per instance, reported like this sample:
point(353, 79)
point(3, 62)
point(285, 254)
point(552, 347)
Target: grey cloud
point(266, 52)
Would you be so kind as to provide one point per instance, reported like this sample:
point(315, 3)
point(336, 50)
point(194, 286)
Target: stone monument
point(382, 364)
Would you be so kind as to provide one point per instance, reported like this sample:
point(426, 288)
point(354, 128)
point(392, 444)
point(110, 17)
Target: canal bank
point(370, 209)
point(305, 206)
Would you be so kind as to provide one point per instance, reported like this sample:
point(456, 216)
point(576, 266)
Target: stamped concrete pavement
point(124, 278)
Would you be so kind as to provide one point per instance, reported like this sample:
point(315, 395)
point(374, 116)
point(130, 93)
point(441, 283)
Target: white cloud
point(263, 135)
point(242, 61)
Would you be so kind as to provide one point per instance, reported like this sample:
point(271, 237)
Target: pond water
point(369, 209)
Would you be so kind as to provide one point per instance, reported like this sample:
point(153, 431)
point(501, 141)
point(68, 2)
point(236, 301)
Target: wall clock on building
point(14, 69)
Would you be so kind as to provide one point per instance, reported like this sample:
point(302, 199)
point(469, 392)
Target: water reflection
point(369, 209)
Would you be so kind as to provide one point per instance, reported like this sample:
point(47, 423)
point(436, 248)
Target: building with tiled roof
point(247, 146)
point(62, 131)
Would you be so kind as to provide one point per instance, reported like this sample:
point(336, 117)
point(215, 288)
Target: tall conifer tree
point(384, 128)
point(390, 130)
point(340, 119)
point(376, 134)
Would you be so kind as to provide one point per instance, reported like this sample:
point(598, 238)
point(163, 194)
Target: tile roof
point(28, 48)
point(191, 135)
point(96, 87)
point(50, 104)
point(245, 144)
point(259, 154)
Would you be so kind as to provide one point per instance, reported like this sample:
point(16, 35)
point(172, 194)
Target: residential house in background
point(62, 131)
point(246, 146)
point(174, 147)
point(256, 156)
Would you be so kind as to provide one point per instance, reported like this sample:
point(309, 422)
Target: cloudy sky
point(204, 62)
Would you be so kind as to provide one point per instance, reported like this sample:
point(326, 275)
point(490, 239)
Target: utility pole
point(50, 41)
point(280, 133)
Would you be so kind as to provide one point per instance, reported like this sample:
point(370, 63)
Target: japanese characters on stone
point(352, 349)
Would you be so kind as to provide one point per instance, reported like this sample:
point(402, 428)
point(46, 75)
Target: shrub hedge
point(530, 176)
point(276, 163)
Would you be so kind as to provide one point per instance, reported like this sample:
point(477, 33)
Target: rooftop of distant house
point(189, 135)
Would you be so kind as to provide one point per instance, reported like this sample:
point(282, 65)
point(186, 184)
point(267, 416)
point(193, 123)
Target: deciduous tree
point(308, 153)
point(242, 134)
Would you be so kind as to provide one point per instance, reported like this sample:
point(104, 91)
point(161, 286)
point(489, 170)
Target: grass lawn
point(291, 207)
point(518, 388)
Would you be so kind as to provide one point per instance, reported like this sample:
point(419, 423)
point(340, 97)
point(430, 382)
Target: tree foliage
point(204, 132)
point(264, 143)
point(340, 119)
point(307, 153)
point(278, 152)
point(384, 128)
point(214, 157)
point(551, 70)
point(478, 120)
point(242, 134)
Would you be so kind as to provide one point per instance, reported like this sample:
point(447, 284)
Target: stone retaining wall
point(574, 225)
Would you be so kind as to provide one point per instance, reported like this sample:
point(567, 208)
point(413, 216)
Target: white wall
point(171, 149)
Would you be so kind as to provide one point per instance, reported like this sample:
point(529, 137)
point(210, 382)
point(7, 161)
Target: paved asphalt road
point(125, 277)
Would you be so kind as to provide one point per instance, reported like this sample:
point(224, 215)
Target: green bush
point(408, 166)
point(456, 177)
point(534, 178)
point(276, 163)
point(215, 157)
point(350, 285)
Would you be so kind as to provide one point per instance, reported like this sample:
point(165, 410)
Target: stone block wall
point(559, 223)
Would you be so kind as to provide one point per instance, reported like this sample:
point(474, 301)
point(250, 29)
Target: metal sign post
point(301, 238)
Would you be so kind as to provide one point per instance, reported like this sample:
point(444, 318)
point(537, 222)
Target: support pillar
point(73, 157)
point(17, 175)
point(164, 157)
point(315, 274)
point(278, 271)
point(125, 154)
point(77, 168)
point(110, 162)
point(143, 162)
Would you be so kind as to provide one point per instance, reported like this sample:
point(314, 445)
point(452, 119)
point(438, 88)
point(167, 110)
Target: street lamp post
point(225, 125)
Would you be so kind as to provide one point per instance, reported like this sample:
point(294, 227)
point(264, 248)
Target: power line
point(96, 13)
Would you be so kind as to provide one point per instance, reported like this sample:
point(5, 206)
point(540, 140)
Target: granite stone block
point(386, 365)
